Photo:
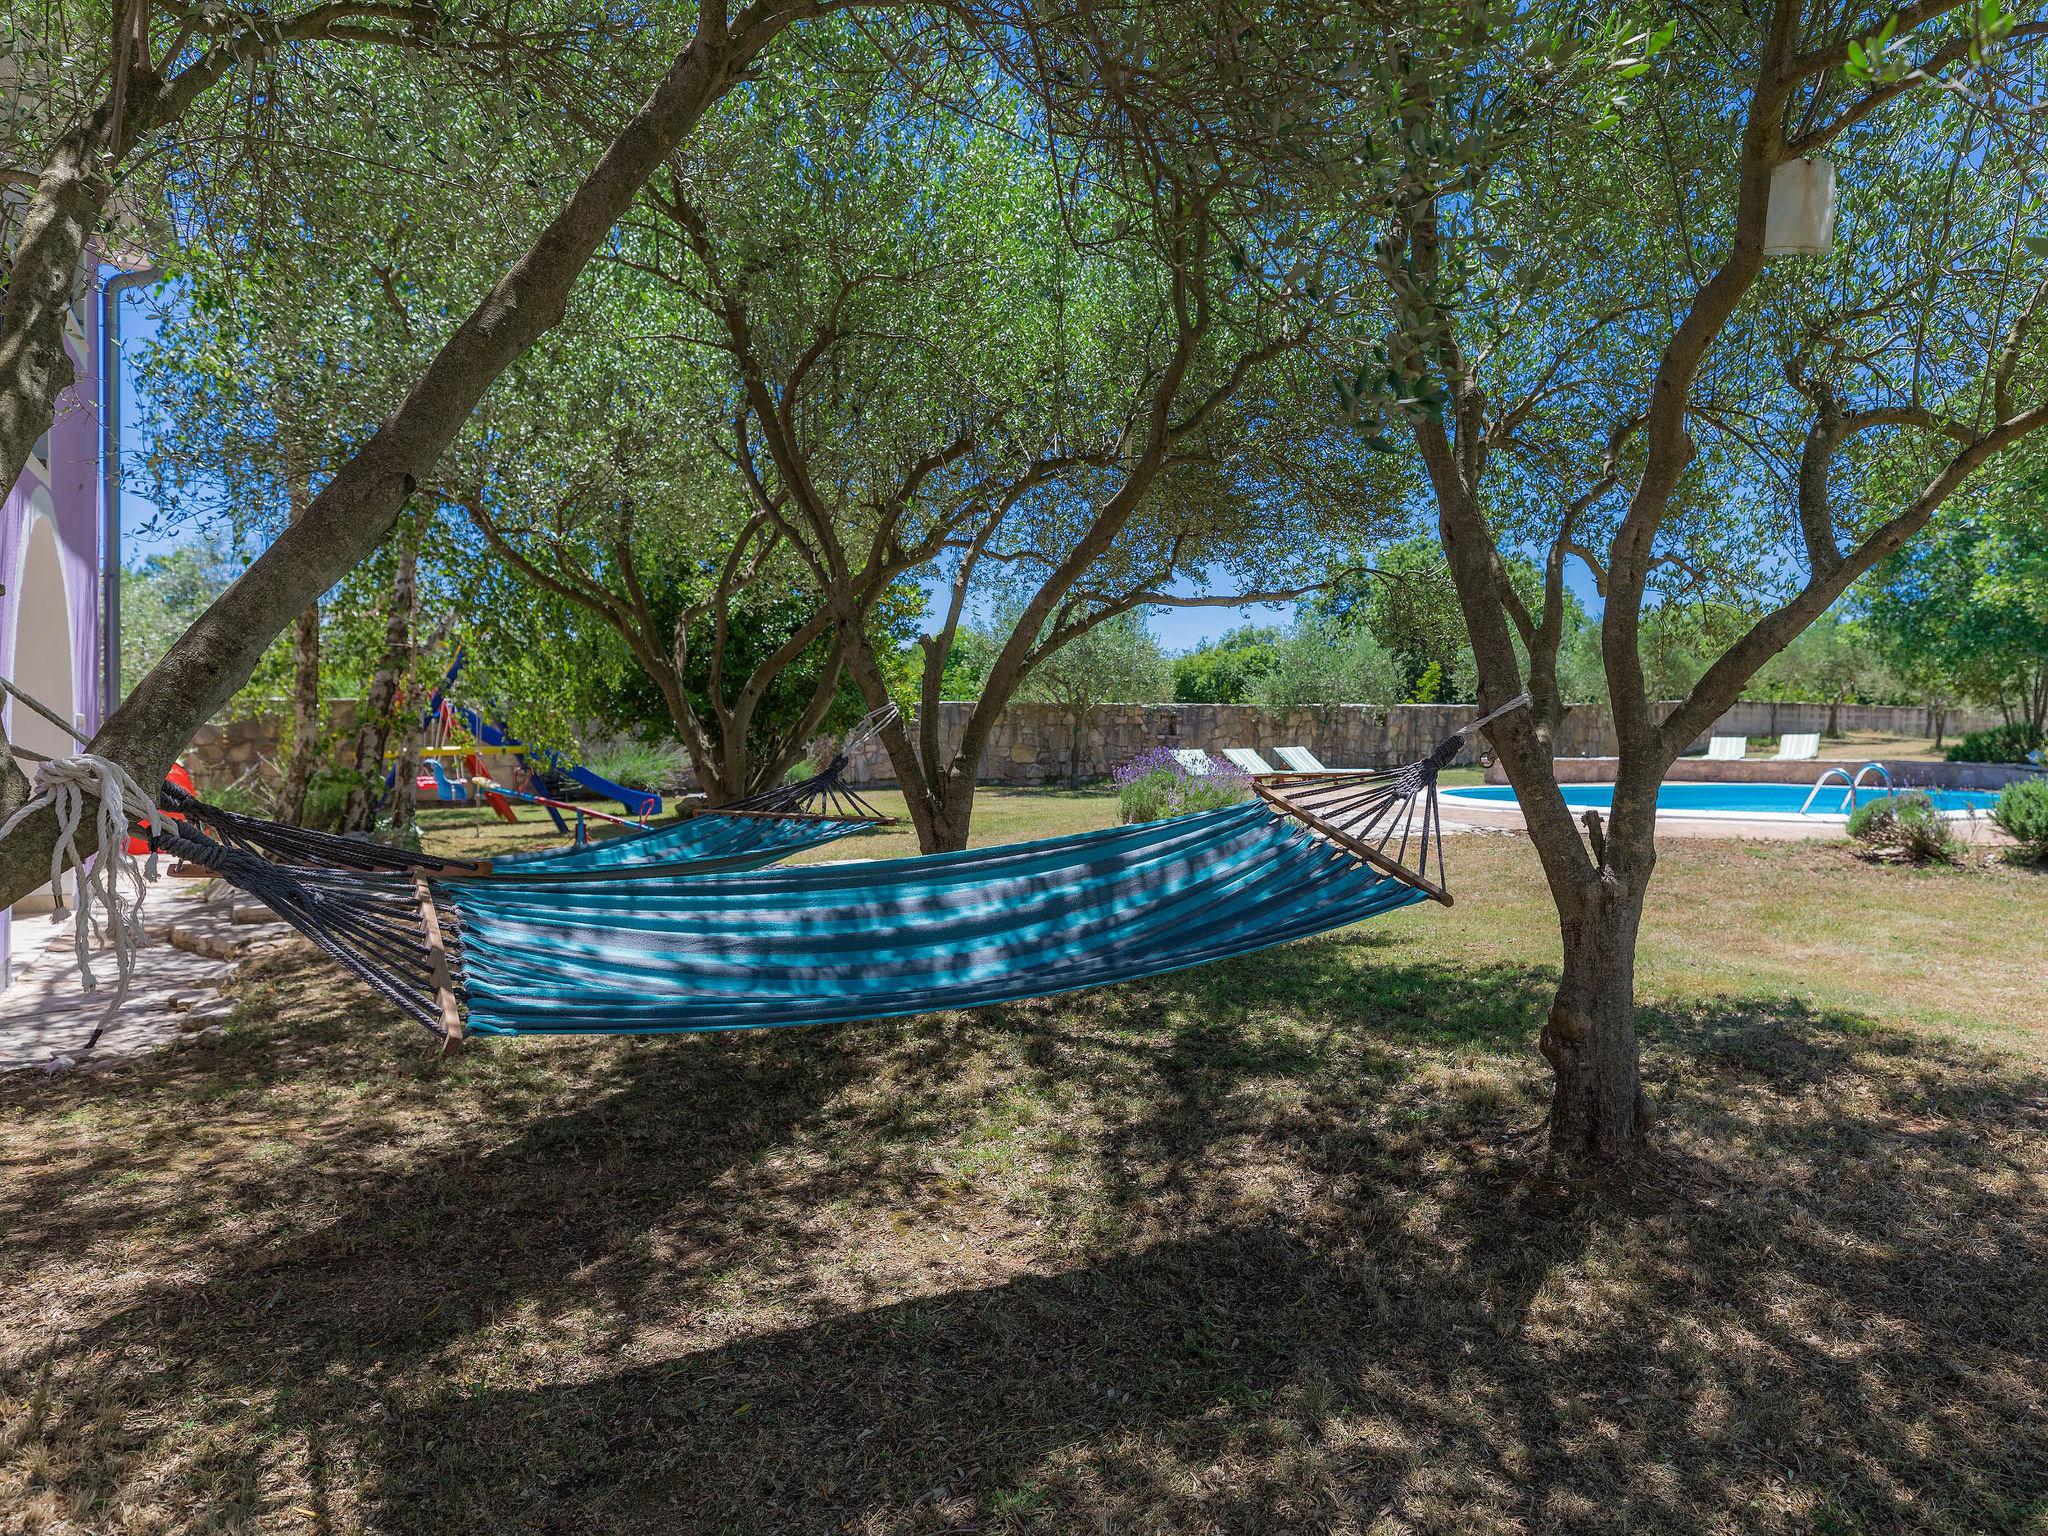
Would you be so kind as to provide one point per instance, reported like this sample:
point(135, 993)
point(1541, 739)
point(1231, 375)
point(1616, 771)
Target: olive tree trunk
point(1598, 872)
point(46, 271)
point(298, 768)
point(380, 709)
point(1598, 1113)
point(949, 815)
point(405, 774)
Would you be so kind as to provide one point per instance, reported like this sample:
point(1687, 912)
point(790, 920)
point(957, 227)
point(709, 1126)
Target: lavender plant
point(1155, 785)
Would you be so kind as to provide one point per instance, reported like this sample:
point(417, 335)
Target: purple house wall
point(51, 560)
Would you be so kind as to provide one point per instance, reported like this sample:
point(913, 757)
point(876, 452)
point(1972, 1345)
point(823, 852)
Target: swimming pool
point(1729, 799)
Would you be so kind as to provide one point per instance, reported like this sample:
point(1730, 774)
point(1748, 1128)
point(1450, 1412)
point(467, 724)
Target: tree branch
point(1722, 682)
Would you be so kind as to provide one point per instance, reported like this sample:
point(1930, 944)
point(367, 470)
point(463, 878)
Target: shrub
point(640, 764)
point(1154, 785)
point(243, 796)
point(1906, 826)
point(1864, 820)
point(2022, 815)
point(1325, 661)
point(2001, 744)
point(406, 837)
point(327, 792)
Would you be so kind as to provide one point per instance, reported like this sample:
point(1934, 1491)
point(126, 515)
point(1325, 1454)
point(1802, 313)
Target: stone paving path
point(175, 994)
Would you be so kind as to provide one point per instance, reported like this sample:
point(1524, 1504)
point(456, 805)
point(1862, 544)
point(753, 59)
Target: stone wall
point(1032, 742)
point(1760, 717)
point(226, 750)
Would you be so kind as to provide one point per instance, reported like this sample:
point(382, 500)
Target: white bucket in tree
point(1800, 220)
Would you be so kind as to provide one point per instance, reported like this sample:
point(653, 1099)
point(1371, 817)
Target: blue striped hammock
point(564, 953)
point(812, 945)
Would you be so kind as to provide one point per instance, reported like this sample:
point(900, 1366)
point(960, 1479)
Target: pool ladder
point(1851, 787)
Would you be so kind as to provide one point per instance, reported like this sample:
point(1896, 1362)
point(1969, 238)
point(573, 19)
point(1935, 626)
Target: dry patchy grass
point(1249, 1249)
point(1961, 950)
point(1890, 746)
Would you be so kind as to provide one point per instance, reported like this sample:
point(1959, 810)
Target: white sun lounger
point(1798, 748)
point(1247, 759)
point(1300, 759)
point(1727, 749)
point(1195, 760)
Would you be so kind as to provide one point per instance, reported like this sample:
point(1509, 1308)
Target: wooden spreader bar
point(452, 1028)
point(735, 810)
point(1376, 803)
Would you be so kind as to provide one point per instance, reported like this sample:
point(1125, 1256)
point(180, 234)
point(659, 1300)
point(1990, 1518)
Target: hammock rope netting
point(691, 933)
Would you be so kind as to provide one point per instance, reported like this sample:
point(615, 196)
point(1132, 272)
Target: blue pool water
point(1731, 799)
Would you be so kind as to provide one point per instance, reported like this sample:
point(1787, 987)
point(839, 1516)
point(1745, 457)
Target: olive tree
point(1116, 661)
point(101, 102)
point(1058, 397)
point(595, 479)
point(1964, 611)
point(1594, 359)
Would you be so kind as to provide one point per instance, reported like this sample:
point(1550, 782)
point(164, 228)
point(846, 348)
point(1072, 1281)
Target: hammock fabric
point(866, 941)
point(833, 943)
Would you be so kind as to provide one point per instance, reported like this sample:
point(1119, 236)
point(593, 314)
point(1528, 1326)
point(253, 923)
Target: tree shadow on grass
point(1842, 1332)
point(728, 1285)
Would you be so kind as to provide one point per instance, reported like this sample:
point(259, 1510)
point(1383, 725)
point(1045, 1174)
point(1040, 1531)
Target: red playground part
point(139, 845)
point(497, 802)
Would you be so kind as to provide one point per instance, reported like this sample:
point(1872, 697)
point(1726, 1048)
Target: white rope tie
point(1485, 720)
point(867, 728)
point(61, 787)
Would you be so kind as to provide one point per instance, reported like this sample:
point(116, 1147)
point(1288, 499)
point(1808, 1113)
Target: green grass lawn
point(1252, 1248)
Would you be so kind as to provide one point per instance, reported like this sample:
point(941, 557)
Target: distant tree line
point(1961, 620)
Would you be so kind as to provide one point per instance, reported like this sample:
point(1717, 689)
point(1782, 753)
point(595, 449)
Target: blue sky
point(138, 510)
point(1182, 629)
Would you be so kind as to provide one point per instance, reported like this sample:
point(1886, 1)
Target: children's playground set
point(460, 736)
